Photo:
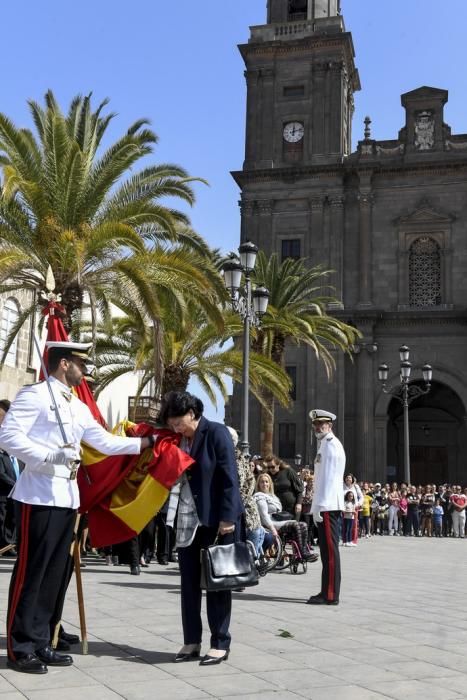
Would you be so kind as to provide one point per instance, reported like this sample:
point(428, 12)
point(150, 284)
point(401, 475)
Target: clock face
point(293, 132)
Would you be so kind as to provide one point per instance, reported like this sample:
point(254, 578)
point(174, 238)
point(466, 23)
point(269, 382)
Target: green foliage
point(68, 203)
point(191, 346)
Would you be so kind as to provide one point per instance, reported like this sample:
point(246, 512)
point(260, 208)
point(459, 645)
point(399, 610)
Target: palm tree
point(191, 348)
point(296, 314)
point(67, 204)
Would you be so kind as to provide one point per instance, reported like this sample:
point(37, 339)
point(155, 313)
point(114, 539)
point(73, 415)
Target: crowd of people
point(373, 508)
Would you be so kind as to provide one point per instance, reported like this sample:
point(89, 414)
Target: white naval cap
point(319, 414)
point(69, 348)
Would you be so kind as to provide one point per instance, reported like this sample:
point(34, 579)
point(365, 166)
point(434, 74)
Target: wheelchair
point(284, 554)
point(269, 558)
point(292, 558)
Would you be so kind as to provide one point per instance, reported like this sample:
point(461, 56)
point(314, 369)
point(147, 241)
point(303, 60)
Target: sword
point(75, 464)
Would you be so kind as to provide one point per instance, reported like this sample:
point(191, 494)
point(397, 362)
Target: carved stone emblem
point(424, 131)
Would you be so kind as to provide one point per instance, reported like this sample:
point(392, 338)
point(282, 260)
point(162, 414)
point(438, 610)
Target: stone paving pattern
point(400, 632)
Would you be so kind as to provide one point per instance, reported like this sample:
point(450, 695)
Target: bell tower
point(279, 11)
point(301, 78)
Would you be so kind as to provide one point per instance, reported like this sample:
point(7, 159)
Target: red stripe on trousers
point(21, 571)
point(332, 563)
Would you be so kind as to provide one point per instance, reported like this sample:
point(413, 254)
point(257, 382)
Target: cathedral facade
point(389, 219)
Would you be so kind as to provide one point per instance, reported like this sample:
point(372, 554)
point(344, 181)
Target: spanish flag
point(121, 494)
point(56, 331)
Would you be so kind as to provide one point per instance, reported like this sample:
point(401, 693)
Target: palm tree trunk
point(267, 412)
point(158, 335)
point(175, 378)
point(267, 424)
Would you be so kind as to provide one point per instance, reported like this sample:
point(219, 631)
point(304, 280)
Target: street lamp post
point(405, 393)
point(251, 305)
point(298, 461)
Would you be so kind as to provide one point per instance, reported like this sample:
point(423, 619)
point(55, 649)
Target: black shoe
point(319, 600)
point(135, 570)
point(69, 638)
point(163, 561)
point(213, 660)
point(311, 557)
point(50, 657)
point(29, 663)
point(316, 600)
point(188, 656)
point(62, 645)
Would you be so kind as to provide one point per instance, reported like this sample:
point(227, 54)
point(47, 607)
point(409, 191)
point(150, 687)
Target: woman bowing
point(209, 504)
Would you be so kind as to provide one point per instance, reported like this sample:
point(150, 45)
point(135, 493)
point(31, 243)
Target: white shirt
point(30, 431)
point(329, 474)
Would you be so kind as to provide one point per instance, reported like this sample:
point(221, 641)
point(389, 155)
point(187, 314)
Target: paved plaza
point(399, 632)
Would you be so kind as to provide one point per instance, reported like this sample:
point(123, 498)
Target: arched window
point(424, 273)
point(10, 314)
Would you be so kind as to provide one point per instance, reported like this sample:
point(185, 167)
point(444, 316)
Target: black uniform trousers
point(218, 604)
point(165, 538)
point(328, 540)
point(45, 534)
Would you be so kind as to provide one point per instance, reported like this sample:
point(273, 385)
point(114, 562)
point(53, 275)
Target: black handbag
point(225, 567)
point(281, 516)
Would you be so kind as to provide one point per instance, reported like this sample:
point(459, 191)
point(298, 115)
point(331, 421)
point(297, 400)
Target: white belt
point(60, 470)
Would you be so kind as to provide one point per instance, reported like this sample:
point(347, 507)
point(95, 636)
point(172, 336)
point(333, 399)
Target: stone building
point(18, 368)
point(389, 218)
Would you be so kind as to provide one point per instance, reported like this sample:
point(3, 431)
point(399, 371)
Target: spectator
point(403, 507)
point(9, 473)
point(365, 513)
point(350, 483)
point(383, 512)
point(448, 508)
point(413, 503)
point(349, 517)
point(268, 505)
point(307, 478)
point(375, 503)
point(393, 517)
point(459, 502)
point(288, 487)
point(427, 505)
point(254, 531)
point(438, 517)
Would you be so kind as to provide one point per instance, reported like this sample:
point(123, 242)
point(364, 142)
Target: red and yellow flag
point(121, 493)
point(124, 492)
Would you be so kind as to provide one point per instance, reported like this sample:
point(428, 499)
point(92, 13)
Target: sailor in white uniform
point(327, 505)
point(47, 497)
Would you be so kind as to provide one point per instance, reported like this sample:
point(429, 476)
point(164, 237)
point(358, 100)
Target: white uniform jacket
point(30, 431)
point(329, 473)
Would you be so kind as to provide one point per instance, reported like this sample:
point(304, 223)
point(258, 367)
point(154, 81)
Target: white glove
point(65, 456)
point(317, 517)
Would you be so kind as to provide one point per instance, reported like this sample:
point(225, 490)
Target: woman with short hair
point(209, 505)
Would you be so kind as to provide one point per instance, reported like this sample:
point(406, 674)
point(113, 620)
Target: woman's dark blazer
point(214, 477)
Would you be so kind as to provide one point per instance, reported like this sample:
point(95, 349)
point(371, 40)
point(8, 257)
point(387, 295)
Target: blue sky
point(176, 62)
